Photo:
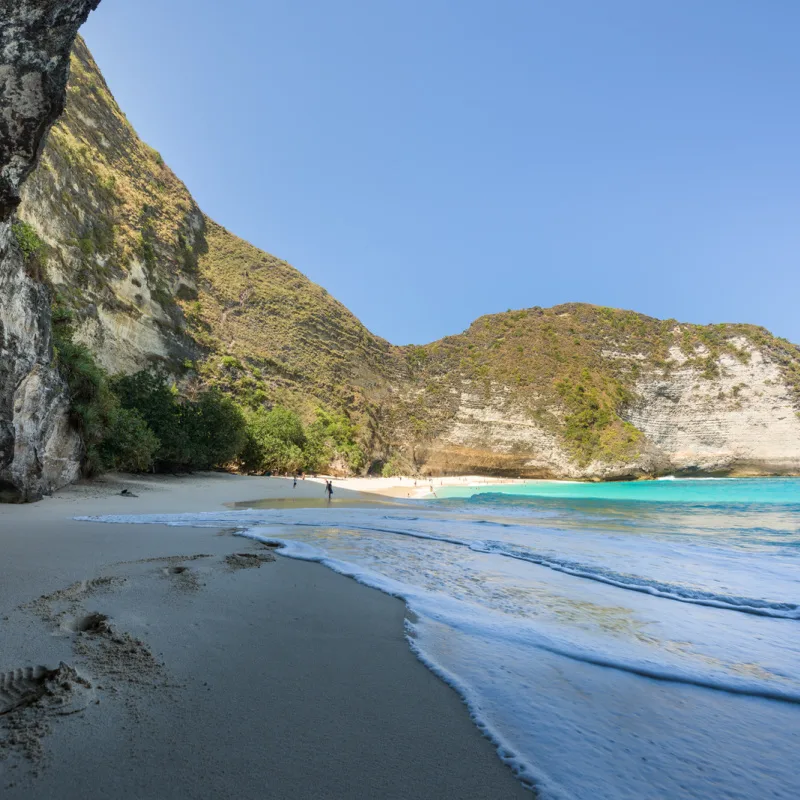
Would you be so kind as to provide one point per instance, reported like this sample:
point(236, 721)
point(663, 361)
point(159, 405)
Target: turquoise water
point(689, 490)
point(617, 641)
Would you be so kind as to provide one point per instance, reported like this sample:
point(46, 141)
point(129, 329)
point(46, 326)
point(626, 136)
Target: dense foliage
point(140, 422)
point(114, 437)
point(202, 433)
point(277, 441)
point(280, 346)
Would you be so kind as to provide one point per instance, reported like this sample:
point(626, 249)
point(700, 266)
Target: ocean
point(617, 640)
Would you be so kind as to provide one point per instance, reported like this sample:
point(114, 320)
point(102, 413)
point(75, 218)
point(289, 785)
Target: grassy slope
point(273, 331)
point(265, 333)
point(110, 196)
point(573, 368)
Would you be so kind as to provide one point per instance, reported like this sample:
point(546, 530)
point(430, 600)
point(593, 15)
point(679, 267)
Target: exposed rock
point(744, 421)
point(122, 232)
point(38, 449)
point(576, 391)
point(35, 38)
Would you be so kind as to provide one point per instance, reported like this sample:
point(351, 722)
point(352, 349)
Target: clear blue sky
point(429, 161)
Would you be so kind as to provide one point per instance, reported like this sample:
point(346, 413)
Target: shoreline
point(286, 678)
point(396, 488)
point(402, 487)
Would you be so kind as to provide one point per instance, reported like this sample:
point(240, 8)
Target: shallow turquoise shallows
point(689, 490)
point(626, 641)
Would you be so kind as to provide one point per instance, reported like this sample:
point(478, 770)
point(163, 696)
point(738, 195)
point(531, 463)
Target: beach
point(152, 661)
point(415, 488)
point(218, 635)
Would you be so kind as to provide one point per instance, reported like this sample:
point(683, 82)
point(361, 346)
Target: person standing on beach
point(329, 490)
point(294, 484)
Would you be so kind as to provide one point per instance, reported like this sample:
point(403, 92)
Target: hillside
point(573, 391)
point(152, 281)
point(584, 391)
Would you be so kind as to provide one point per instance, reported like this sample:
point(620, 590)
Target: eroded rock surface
point(574, 391)
point(39, 450)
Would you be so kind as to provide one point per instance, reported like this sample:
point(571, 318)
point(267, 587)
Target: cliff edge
point(575, 391)
point(39, 450)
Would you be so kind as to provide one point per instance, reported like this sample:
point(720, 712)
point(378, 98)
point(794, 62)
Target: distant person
point(329, 490)
point(294, 483)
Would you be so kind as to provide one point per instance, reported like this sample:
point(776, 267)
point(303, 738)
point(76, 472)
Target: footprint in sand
point(58, 688)
point(30, 698)
point(91, 623)
point(246, 560)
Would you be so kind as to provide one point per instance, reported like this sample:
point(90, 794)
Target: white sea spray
point(608, 652)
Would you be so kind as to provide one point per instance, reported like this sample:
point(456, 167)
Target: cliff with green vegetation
point(39, 449)
point(583, 391)
point(144, 284)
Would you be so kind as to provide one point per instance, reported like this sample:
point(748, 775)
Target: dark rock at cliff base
point(39, 450)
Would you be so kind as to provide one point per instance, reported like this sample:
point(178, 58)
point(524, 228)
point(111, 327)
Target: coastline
point(404, 488)
point(284, 678)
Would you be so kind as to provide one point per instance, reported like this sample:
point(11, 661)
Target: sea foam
point(622, 659)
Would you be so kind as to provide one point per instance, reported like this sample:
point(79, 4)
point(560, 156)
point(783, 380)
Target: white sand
point(204, 678)
point(405, 487)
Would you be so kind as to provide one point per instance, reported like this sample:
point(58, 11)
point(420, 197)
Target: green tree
point(275, 441)
point(193, 434)
point(332, 437)
point(129, 445)
point(215, 430)
point(150, 395)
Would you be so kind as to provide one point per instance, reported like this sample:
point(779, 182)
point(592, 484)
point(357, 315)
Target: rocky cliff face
point(574, 391)
point(38, 449)
point(584, 392)
point(744, 420)
point(120, 229)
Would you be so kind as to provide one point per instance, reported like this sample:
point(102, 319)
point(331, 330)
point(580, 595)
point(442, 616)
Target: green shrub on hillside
point(34, 251)
point(204, 433)
point(113, 437)
point(92, 403)
point(275, 441)
point(333, 437)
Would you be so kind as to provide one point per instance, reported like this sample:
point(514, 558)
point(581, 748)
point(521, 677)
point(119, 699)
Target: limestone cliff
point(584, 392)
point(38, 448)
point(573, 391)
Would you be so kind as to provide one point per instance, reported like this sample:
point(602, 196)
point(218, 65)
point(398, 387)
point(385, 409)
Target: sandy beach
point(153, 661)
point(403, 487)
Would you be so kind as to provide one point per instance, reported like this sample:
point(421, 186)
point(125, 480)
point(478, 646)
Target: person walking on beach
point(329, 490)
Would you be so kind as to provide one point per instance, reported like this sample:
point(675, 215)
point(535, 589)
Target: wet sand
point(199, 665)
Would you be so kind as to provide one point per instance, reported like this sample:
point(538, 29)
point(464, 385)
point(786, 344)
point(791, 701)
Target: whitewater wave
point(626, 581)
point(479, 623)
point(568, 645)
point(635, 583)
